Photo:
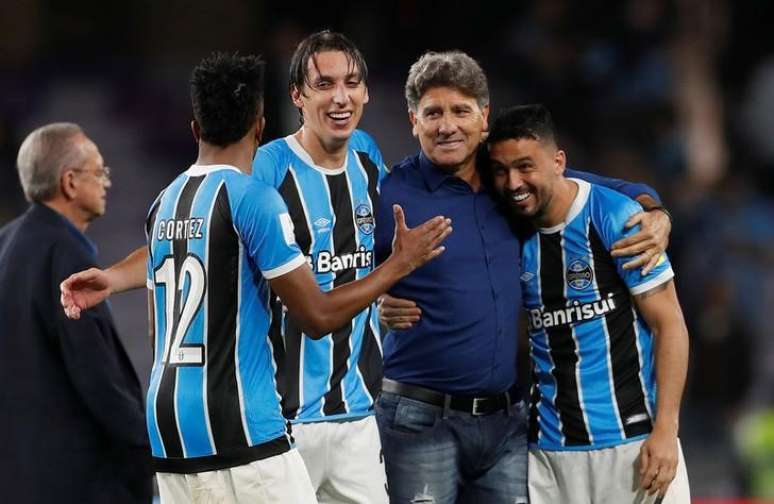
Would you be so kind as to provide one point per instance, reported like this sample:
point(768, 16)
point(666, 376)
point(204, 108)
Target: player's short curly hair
point(453, 69)
point(323, 41)
point(227, 96)
point(532, 121)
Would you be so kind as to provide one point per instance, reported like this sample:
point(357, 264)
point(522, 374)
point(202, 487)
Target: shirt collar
point(433, 175)
point(49, 214)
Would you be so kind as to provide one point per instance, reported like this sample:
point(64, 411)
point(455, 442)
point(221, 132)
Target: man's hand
point(648, 243)
point(397, 313)
point(83, 290)
point(658, 461)
point(411, 248)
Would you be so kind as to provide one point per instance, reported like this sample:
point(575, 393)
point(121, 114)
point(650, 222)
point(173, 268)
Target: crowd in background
point(676, 94)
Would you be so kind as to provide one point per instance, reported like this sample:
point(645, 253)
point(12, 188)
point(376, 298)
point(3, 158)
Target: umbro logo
point(527, 276)
point(322, 225)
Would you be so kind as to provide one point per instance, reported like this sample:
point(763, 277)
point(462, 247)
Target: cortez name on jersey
point(594, 377)
point(332, 211)
point(215, 235)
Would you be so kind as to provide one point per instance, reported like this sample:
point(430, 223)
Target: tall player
point(218, 243)
point(604, 339)
point(328, 173)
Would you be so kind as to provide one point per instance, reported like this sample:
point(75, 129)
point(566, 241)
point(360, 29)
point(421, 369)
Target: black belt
point(477, 406)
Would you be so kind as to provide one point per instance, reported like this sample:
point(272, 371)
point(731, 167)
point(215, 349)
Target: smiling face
point(332, 98)
point(449, 126)
point(525, 173)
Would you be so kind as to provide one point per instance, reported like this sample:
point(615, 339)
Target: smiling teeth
point(520, 197)
point(342, 115)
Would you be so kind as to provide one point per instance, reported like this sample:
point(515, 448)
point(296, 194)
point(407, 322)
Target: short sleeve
point(612, 213)
point(150, 223)
point(267, 165)
point(263, 222)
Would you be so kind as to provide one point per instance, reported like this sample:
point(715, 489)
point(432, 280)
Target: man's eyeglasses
point(102, 175)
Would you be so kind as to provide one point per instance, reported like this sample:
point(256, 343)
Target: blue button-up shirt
point(466, 340)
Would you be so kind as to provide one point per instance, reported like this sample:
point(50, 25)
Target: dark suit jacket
point(72, 427)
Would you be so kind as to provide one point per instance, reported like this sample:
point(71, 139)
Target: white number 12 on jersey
point(179, 353)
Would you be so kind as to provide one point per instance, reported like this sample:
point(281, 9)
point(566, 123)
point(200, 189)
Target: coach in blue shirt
point(450, 415)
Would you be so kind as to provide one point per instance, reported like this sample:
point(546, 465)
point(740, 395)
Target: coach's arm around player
point(660, 452)
point(318, 313)
point(644, 247)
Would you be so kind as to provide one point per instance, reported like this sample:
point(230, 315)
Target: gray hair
point(453, 69)
point(43, 155)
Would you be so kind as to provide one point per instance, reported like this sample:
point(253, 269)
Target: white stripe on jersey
point(578, 383)
point(206, 306)
point(608, 356)
point(169, 293)
point(312, 243)
point(238, 334)
point(641, 377)
point(332, 244)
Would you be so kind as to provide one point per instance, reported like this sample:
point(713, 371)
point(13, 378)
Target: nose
point(446, 125)
point(340, 96)
point(107, 183)
point(514, 180)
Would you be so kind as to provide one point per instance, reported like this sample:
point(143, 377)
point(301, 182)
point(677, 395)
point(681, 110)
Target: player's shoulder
point(278, 146)
point(272, 160)
point(364, 145)
point(240, 185)
point(362, 141)
point(609, 201)
point(609, 211)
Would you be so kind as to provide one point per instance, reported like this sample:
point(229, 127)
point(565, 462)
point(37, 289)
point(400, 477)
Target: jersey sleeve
point(630, 189)
point(262, 220)
point(150, 222)
point(611, 214)
point(267, 165)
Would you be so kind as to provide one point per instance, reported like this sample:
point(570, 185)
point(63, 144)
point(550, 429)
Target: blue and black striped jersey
point(215, 236)
point(332, 211)
point(592, 354)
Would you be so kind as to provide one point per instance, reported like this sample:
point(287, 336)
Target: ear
point(296, 97)
point(365, 98)
point(196, 130)
point(560, 161)
point(485, 128)
point(413, 121)
point(68, 185)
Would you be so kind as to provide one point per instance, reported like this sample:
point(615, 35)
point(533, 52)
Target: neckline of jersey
point(199, 170)
point(577, 205)
point(299, 151)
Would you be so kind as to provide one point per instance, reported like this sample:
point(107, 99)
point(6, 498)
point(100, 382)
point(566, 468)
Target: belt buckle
point(476, 411)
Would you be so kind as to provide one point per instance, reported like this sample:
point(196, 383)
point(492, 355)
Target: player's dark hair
point(316, 43)
point(523, 121)
point(322, 41)
point(227, 96)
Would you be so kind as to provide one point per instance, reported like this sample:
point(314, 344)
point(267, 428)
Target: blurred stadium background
point(679, 94)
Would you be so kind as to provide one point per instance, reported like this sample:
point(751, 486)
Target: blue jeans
point(436, 458)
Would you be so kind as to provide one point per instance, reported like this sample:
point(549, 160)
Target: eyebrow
point(351, 75)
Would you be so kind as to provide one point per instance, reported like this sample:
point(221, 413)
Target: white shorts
point(281, 478)
point(598, 476)
point(344, 460)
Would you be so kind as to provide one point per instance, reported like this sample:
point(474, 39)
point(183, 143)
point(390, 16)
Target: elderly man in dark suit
point(71, 407)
